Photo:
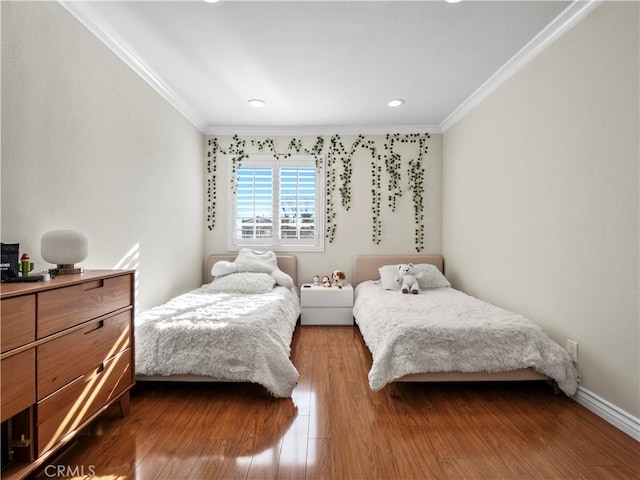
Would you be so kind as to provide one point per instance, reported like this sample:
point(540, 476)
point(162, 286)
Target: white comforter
point(230, 337)
point(445, 330)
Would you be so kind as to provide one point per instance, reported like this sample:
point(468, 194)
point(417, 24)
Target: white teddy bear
point(406, 272)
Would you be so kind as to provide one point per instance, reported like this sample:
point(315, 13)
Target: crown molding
point(560, 25)
point(322, 130)
point(87, 16)
point(564, 22)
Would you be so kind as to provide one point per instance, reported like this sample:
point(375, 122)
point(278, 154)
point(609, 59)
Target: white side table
point(326, 305)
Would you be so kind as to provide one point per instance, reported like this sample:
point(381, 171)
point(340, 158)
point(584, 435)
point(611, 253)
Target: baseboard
point(609, 412)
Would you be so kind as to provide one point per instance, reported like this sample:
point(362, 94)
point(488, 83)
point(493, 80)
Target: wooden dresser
point(67, 354)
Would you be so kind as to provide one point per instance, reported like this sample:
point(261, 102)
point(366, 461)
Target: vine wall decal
point(212, 170)
point(398, 181)
point(335, 149)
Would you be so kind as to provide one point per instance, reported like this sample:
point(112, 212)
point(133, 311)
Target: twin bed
point(441, 334)
point(240, 330)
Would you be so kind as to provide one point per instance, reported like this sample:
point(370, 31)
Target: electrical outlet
point(572, 348)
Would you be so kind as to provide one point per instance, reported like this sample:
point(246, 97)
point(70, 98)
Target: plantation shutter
point(277, 203)
point(297, 203)
point(254, 203)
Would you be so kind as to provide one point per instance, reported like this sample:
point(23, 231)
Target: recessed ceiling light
point(452, 1)
point(211, 1)
point(396, 102)
point(257, 103)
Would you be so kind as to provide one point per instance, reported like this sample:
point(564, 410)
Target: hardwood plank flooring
point(335, 428)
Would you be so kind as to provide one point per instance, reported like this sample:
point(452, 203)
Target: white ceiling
point(323, 65)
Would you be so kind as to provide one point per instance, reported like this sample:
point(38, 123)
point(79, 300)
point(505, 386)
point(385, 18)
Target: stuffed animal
point(406, 272)
point(326, 282)
point(339, 278)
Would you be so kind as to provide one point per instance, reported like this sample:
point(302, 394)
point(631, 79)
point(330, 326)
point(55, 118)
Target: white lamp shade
point(64, 247)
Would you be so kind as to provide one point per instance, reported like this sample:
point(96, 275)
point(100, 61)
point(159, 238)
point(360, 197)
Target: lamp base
point(65, 270)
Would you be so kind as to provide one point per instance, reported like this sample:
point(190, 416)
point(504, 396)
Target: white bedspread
point(230, 337)
point(445, 330)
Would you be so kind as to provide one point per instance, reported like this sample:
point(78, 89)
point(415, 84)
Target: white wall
point(540, 182)
point(354, 226)
point(88, 145)
point(540, 196)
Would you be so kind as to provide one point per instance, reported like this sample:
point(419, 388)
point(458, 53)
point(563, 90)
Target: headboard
point(365, 267)
point(287, 263)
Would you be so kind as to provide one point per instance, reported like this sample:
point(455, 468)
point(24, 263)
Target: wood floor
point(334, 427)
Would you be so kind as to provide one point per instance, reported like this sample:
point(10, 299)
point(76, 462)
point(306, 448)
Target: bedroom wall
point(354, 226)
point(540, 201)
point(88, 145)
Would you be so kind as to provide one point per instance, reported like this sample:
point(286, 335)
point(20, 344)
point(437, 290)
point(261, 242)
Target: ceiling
point(323, 65)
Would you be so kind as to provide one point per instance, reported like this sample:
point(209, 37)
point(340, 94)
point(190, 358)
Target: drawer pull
point(93, 285)
point(97, 326)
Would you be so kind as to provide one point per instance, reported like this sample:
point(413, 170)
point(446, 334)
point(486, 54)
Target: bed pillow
point(252, 261)
point(389, 277)
point(263, 262)
point(243, 282)
point(428, 277)
point(282, 279)
point(223, 268)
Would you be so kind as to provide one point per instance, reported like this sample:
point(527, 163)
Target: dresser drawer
point(18, 321)
point(311, 296)
point(18, 382)
point(326, 316)
point(71, 356)
point(65, 410)
point(68, 306)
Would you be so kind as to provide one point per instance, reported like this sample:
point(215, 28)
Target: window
point(277, 204)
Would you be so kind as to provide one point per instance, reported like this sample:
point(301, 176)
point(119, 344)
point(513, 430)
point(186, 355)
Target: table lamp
point(65, 248)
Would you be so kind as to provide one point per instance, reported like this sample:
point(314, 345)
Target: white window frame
point(315, 244)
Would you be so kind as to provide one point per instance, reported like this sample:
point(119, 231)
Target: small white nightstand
point(326, 305)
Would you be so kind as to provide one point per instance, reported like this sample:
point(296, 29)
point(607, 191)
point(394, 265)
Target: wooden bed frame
point(287, 263)
point(365, 267)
